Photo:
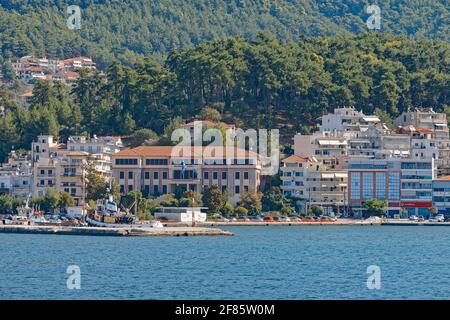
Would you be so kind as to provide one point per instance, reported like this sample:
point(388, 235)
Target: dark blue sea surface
point(276, 262)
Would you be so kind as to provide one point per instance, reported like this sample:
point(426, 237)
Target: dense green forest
point(129, 30)
point(263, 83)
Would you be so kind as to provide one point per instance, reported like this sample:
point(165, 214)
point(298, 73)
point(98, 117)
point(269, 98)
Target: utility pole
point(193, 212)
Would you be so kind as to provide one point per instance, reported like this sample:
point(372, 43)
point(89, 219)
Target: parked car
point(421, 219)
point(268, 219)
point(257, 219)
point(285, 219)
point(437, 218)
point(414, 218)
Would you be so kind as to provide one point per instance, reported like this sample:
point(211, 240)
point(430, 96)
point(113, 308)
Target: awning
point(341, 175)
point(371, 119)
point(327, 175)
point(332, 142)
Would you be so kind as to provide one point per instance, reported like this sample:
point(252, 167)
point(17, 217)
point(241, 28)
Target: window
point(164, 189)
point(245, 175)
point(70, 172)
point(394, 185)
point(156, 162)
point(155, 190)
point(237, 190)
point(155, 175)
point(121, 175)
point(147, 175)
point(224, 175)
point(130, 188)
point(215, 175)
point(126, 161)
point(164, 175)
point(122, 188)
point(206, 175)
point(130, 174)
point(224, 189)
point(246, 188)
point(42, 172)
point(367, 185)
point(355, 193)
point(380, 183)
point(237, 175)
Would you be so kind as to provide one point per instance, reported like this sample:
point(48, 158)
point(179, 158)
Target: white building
point(425, 118)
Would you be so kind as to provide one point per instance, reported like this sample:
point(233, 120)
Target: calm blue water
point(257, 263)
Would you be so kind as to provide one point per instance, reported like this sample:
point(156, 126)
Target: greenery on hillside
point(131, 29)
point(260, 84)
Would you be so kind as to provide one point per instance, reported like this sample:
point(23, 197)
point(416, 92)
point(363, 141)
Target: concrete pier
point(127, 232)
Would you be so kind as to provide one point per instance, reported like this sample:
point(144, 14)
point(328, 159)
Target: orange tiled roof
point(446, 178)
point(67, 61)
point(166, 151)
point(295, 159)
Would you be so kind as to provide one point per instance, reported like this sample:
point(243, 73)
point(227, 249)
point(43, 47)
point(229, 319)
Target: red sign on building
point(417, 204)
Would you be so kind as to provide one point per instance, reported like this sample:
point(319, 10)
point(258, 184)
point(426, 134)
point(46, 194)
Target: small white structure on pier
point(181, 214)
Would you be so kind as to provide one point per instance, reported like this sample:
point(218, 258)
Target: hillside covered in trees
point(262, 83)
point(129, 30)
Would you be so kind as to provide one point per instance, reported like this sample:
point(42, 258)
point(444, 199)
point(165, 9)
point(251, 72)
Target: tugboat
point(107, 214)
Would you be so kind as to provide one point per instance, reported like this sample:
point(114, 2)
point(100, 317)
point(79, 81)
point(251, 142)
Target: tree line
point(262, 83)
point(129, 30)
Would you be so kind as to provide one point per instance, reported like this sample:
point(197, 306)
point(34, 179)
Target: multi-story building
point(441, 195)
point(160, 170)
point(404, 183)
point(74, 64)
point(64, 168)
point(103, 147)
point(425, 118)
point(311, 182)
point(347, 119)
point(16, 176)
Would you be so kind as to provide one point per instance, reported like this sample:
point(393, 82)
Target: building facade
point(158, 170)
point(441, 195)
point(64, 167)
point(312, 182)
point(405, 184)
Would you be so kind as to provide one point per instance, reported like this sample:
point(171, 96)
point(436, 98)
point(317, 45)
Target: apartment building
point(311, 182)
point(16, 176)
point(425, 118)
point(405, 183)
point(441, 195)
point(347, 119)
point(103, 147)
point(64, 167)
point(157, 170)
point(76, 63)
